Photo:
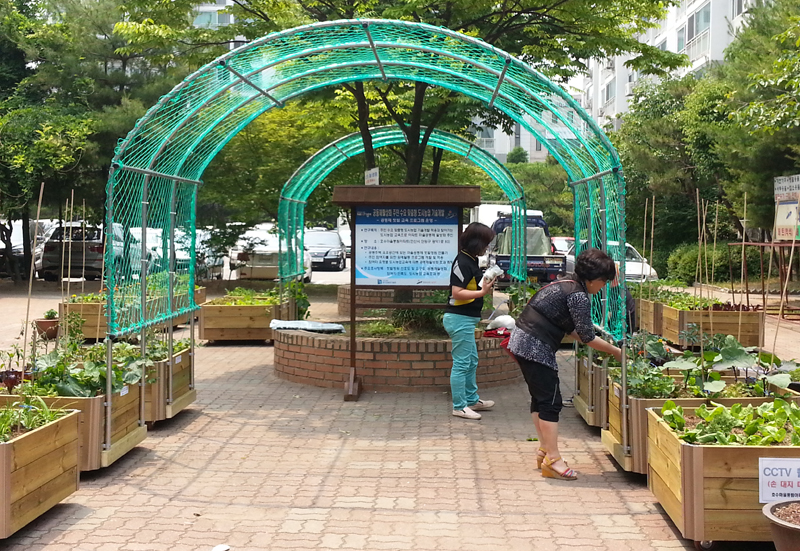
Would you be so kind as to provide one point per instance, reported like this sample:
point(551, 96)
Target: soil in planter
point(788, 513)
point(367, 330)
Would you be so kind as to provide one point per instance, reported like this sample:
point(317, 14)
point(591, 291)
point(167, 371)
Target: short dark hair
point(595, 264)
point(475, 238)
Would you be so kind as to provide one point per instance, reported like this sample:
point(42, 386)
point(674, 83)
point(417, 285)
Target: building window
point(698, 22)
point(517, 134)
point(538, 145)
point(681, 39)
point(223, 19)
point(610, 91)
point(553, 117)
point(663, 45)
point(738, 8)
point(238, 43)
point(206, 20)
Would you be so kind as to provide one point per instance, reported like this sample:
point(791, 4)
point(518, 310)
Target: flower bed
point(38, 469)
point(710, 490)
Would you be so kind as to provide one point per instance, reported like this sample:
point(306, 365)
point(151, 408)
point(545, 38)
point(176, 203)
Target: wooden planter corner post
point(37, 471)
point(399, 199)
point(709, 492)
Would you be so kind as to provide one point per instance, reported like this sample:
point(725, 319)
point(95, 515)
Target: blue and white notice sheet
point(405, 245)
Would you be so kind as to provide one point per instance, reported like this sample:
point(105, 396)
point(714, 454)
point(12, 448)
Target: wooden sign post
point(401, 237)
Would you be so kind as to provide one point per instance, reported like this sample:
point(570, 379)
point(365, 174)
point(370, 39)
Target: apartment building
point(701, 29)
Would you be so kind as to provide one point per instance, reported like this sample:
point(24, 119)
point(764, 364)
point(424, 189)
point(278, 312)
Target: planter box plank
point(221, 322)
point(718, 493)
point(38, 470)
point(95, 326)
point(589, 394)
point(649, 315)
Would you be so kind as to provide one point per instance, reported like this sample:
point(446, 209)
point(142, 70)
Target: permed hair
point(475, 238)
point(595, 264)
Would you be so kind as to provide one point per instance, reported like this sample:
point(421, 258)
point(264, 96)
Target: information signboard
point(402, 245)
point(778, 479)
point(372, 177)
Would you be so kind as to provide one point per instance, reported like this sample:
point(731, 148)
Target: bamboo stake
point(771, 256)
point(714, 260)
point(63, 234)
point(698, 264)
point(652, 232)
point(699, 272)
point(644, 236)
point(69, 230)
point(83, 265)
point(786, 283)
point(30, 283)
point(741, 283)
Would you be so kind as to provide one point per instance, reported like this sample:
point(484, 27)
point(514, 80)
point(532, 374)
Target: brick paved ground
point(261, 463)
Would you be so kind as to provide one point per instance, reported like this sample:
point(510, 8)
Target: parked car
point(327, 249)
point(542, 264)
point(85, 240)
point(562, 245)
point(208, 265)
point(257, 254)
point(636, 268)
point(343, 227)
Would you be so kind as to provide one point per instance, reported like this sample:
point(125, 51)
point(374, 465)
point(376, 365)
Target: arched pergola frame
point(157, 168)
point(295, 193)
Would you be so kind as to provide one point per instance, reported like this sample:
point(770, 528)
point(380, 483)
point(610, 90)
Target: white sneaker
point(466, 413)
point(482, 405)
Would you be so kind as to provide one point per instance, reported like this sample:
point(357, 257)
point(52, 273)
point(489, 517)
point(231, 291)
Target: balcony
point(485, 143)
point(698, 46)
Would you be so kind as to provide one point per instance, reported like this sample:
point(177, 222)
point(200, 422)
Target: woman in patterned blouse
point(561, 308)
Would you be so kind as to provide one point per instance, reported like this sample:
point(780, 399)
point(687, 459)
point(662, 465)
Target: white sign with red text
point(778, 478)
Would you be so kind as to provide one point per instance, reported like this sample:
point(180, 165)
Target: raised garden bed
point(126, 433)
point(178, 373)
point(93, 313)
point(37, 471)
point(223, 322)
point(709, 491)
point(675, 321)
point(649, 316)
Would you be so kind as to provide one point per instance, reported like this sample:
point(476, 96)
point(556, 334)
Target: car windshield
point(632, 255)
point(323, 239)
point(77, 233)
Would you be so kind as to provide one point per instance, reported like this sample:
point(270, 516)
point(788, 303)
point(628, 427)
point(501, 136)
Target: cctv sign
point(778, 478)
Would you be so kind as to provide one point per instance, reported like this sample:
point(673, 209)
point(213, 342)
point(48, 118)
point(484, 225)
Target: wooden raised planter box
point(93, 313)
point(199, 298)
point(590, 392)
point(157, 405)
point(636, 462)
point(239, 323)
point(649, 316)
point(709, 492)
point(37, 471)
point(126, 433)
point(675, 321)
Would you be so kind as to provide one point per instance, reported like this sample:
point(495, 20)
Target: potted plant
point(39, 455)
point(784, 518)
point(47, 327)
point(703, 465)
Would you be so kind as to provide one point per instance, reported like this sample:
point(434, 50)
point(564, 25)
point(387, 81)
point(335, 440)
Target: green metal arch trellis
point(156, 169)
point(291, 208)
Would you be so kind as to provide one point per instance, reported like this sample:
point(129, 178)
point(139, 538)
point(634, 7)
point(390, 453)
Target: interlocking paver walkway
point(260, 463)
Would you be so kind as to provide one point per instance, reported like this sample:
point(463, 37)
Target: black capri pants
point(544, 387)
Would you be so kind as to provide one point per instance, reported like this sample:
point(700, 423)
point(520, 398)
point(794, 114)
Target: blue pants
point(465, 359)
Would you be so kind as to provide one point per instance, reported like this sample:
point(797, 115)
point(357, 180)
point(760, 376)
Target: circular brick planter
point(382, 296)
point(384, 365)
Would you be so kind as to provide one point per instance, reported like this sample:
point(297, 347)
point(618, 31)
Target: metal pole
point(623, 400)
point(604, 246)
point(173, 215)
point(109, 389)
point(143, 297)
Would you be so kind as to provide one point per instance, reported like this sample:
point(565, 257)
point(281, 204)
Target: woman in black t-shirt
point(462, 314)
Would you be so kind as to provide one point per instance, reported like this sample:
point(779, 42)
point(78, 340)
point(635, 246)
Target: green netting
point(182, 133)
point(295, 193)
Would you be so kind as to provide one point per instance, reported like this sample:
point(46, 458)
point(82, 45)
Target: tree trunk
point(5, 237)
point(438, 153)
point(415, 151)
point(363, 124)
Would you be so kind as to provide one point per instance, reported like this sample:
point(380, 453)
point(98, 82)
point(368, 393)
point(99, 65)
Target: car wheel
point(341, 265)
point(307, 279)
point(91, 277)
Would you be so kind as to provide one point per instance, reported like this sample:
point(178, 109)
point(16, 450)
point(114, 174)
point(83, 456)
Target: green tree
point(517, 155)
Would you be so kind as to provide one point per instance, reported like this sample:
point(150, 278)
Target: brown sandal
point(540, 455)
point(549, 472)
